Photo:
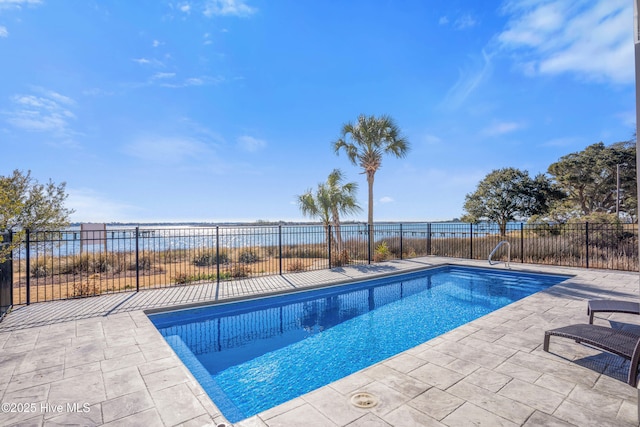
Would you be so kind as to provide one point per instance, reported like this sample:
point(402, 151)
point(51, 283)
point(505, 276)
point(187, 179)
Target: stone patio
point(100, 361)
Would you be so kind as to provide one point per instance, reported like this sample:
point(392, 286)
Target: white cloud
point(44, 111)
point(228, 8)
point(194, 81)
point(167, 150)
point(17, 4)
point(251, 144)
point(591, 39)
point(461, 23)
point(468, 82)
point(4, 32)
point(502, 128)
point(160, 76)
point(157, 43)
point(147, 61)
point(168, 80)
point(386, 199)
point(57, 97)
point(185, 7)
point(97, 92)
point(171, 80)
point(464, 22)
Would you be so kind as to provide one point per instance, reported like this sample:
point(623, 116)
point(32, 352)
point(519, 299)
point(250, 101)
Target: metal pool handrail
point(508, 252)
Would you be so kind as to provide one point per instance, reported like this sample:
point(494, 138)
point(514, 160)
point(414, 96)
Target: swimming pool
point(252, 355)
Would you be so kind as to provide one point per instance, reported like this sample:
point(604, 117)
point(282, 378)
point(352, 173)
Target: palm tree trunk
point(370, 176)
point(327, 232)
point(336, 226)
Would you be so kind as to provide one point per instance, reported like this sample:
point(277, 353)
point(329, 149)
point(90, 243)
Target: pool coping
point(490, 370)
point(287, 291)
point(319, 286)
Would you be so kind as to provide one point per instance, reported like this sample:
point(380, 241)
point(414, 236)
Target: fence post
point(11, 264)
point(217, 254)
point(470, 240)
point(137, 259)
point(586, 231)
point(400, 241)
point(6, 275)
point(329, 244)
point(28, 256)
point(428, 238)
point(369, 243)
point(280, 247)
point(522, 243)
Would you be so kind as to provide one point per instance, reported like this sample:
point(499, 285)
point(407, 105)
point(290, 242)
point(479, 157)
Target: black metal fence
point(66, 264)
point(6, 275)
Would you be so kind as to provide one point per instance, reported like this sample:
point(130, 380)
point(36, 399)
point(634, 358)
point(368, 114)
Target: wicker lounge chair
point(611, 306)
point(622, 343)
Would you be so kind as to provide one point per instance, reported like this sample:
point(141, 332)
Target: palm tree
point(342, 200)
point(331, 199)
point(366, 142)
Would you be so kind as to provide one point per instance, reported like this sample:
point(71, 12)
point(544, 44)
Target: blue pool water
point(252, 355)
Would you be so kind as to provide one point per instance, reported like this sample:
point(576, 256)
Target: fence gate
point(6, 277)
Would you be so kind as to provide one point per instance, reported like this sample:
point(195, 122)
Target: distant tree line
point(597, 182)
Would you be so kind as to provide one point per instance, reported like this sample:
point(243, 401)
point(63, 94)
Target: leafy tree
point(331, 199)
point(27, 204)
point(366, 142)
point(507, 195)
point(589, 178)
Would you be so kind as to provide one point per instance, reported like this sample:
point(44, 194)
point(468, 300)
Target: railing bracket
point(504, 242)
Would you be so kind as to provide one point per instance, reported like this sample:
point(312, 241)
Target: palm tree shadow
point(368, 268)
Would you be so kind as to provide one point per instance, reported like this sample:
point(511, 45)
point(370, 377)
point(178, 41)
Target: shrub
point(40, 269)
point(605, 230)
point(104, 264)
point(76, 264)
point(181, 279)
point(184, 278)
point(87, 288)
point(382, 252)
point(96, 263)
point(145, 260)
point(248, 256)
point(296, 266)
point(343, 258)
point(144, 263)
point(304, 251)
point(239, 271)
point(173, 255)
point(209, 258)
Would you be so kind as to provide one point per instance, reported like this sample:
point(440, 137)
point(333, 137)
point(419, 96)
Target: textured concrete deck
point(100, 361)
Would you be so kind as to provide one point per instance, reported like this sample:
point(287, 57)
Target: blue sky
point(225, 110)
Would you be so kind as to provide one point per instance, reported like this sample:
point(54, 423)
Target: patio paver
point(100, 361)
